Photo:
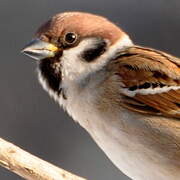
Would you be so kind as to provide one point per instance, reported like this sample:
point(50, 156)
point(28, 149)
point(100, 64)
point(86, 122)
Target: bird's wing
point(149, 81)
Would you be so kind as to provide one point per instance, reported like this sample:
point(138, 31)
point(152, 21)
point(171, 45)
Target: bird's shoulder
point(149, 80)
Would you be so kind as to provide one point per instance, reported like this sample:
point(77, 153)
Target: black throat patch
point(50, 70)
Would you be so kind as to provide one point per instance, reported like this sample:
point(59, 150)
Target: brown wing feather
point(143, 68)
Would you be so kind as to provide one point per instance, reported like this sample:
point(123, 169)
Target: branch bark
point(29, 166)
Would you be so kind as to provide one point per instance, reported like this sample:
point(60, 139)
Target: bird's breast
point(125, 138)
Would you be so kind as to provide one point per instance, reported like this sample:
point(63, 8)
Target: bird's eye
point(70, 38)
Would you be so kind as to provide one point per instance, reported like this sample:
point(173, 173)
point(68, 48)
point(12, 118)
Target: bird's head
point(73, 44)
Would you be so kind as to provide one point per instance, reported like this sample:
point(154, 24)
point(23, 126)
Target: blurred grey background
point(28, 117)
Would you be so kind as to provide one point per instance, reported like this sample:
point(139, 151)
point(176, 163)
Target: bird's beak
point(38, 49)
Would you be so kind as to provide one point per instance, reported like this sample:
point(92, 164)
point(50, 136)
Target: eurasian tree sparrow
point(126, 96)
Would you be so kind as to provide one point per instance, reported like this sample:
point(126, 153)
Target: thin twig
point(30, 167)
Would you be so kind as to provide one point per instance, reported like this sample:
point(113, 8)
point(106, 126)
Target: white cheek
point(72, 64)
point(74, 67)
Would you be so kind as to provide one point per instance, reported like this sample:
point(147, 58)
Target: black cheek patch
point(94, 52)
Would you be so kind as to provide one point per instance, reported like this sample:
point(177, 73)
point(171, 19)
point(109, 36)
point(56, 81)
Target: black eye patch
point(95, 51)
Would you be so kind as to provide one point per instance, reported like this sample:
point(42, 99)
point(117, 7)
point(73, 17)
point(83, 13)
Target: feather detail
point(151, 78)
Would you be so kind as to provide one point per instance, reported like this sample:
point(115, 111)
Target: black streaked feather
point(145, 86)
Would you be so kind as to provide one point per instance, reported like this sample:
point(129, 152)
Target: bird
point(126, 96)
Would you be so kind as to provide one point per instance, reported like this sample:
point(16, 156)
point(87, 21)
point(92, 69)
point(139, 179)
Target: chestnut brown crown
point(82, 24)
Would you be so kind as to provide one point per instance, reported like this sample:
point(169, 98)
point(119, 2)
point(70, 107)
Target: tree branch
point(30, 167)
